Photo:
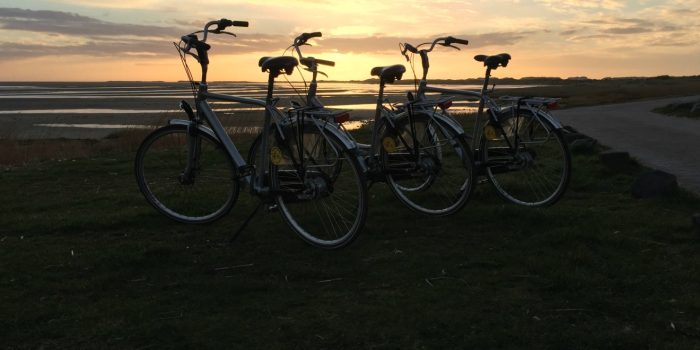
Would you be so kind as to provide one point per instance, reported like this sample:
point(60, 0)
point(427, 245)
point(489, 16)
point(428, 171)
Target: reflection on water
point(230, 129)
point(179, 90)
point(355, 124)
point(95, 126)
point(350, 125)
point(84, 111)
point(64, 103)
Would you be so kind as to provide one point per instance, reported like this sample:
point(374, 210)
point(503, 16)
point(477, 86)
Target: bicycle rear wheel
point(428, 166)
point(534, 173)
point(186, 186)
point(320, 187)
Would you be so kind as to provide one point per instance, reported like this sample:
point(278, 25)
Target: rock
point(696, 107)
point(570, 137)
point(614, 160)
point(583, 145)
point(654, 183)
point(570, 129)
point(696, 222)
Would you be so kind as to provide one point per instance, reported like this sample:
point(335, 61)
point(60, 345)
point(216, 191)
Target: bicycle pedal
point(271, 208)
point(246, 170)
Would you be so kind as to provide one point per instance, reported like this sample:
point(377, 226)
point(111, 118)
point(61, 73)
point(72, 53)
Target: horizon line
point(574, 78)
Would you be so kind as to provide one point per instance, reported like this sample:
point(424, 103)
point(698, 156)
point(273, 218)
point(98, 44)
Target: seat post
point(378, 112)
point(380, 100)
point(487, 78)
point(270, 87)
point(260, 181)
point(477, 130)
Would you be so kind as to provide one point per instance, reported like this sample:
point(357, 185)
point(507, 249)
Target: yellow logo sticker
point(491, 133)
point(276, 156)
point(389, 144)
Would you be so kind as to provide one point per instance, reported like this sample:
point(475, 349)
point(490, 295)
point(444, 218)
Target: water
point(136, 105)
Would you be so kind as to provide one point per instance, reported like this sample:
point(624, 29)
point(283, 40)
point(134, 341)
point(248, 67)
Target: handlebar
point(309, 62)
point(192, 41)
point(445, 41)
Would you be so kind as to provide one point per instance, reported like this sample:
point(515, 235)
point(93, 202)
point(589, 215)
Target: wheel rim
point(325, 204)
point(207, 193)
point(438, 180)
point(535, 175)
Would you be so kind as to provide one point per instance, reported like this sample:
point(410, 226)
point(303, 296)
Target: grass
point(596, 92)
point(86, 263)
point(680, 110)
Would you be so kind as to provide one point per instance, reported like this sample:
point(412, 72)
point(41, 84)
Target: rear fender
point(188, 123)
point(447, 122)
point(539, 112)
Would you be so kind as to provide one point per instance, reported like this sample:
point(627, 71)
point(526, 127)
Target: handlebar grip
point(452, 40)
point(225, 23)
point(325, 62)
point(190, 39)
point(313, 35)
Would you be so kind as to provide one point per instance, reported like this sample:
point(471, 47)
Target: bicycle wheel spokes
point(535, 173)
point(322, 195)
point(188, 191)
point(430, 172)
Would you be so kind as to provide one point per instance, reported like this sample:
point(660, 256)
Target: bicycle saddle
point(275, 65)
point(389, 73)
point(494, 61)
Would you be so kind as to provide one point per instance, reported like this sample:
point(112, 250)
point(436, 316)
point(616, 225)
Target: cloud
point(73, 24)
point(98, 38)
point(577, 5)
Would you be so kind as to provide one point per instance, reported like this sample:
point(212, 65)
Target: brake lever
point(317, 71)
point(403, 49)
point(229, 33)
point(193, 55)
point(452, 46)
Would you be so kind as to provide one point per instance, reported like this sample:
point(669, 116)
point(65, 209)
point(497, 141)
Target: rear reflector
point(445, 105)
point(553, 105)
point(342, 118)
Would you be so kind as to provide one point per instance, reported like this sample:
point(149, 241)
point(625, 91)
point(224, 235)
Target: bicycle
point(520, 148)
point(422, 156)
point(192, 172)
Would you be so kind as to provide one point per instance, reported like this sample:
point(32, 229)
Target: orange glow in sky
point(83, 40)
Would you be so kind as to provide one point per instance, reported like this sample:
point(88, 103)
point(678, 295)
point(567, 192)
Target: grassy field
point(86, 263)
point(680, 110)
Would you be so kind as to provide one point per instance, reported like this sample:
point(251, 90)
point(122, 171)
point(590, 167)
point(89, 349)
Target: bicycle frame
point(485, 102)
point(216, 129)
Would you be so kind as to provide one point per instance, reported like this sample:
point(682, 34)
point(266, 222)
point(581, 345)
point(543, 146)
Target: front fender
point(347, 142)
point(187, 123)
point(539, 112)
point(446, 121)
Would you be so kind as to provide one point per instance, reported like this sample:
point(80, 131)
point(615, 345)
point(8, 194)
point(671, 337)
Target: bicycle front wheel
point(319, 185)
point(526, 160)
point(187, 177)
point(428, 166)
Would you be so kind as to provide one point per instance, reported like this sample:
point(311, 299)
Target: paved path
point(662, 142)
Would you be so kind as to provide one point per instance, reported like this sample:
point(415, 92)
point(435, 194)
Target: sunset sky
point(91, 40)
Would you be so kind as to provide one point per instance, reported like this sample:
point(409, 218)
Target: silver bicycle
point(519, 146)
point(422, 156)
point(192, 172)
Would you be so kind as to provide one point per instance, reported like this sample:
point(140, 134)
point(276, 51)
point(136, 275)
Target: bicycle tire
point(539, 173)
point(207, 195)
point(438, 180)
point(318, 221)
